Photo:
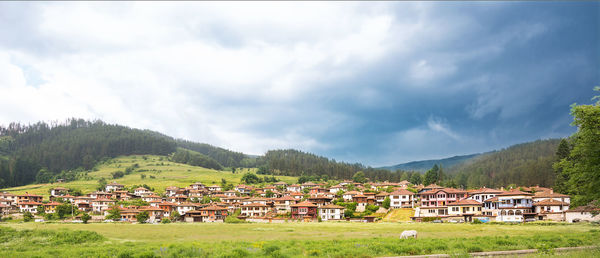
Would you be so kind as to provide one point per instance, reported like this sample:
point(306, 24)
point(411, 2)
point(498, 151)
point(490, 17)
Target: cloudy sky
point(377, 83)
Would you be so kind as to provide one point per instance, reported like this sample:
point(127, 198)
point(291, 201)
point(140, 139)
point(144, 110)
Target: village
point(308, 202)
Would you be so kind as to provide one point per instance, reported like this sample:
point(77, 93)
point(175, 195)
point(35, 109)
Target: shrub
point(85, 218)
point(476, 221)
point(27, 216)
point(165, 221)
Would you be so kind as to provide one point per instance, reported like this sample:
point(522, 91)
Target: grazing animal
point(408, 233)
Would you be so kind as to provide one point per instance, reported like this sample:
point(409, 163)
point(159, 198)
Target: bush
point(85, 218)
point(27, 216)
point(234, 220)
point(477, 221)
point(165, 221)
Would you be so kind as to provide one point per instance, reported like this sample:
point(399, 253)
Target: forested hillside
point(73, 144)
point(298, 163)
point(521, 164)
point(225, 157)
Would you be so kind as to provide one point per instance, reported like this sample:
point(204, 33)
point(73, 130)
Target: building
point(583, 213)
point(515, 206)
point(142, 191)
point(29, 198)
point(213, 213)
point(551, 209)
point(304, 210)
point(114, 186)
point(401, 199)
point(51, 207)
point(465, 208)
point(28, 206)
point(331, 212)
point(254, 210)
point(58, 191)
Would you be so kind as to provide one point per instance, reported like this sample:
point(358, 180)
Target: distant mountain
point(425, 165)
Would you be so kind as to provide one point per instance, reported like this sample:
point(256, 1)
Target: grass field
point(165, 174)
point(399, 215)
point(340, 239)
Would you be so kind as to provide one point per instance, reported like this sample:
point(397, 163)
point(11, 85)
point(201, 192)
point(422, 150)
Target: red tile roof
point(464, 202)
point(304, 204)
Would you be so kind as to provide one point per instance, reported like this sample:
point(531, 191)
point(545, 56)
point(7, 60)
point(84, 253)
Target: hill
point(57, 148)
point(152, 170)
point(424, 165)
point(522, 164)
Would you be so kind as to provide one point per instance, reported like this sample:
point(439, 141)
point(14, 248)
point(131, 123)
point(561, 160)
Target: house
point(308, 185)
point(434, 202)
point(142, 191)
point(100, 205)
point(154, 213)
point(197, 186)
point(297, 195)
point(230, 193)
point(29, 206)
point(254, 210)
point(320, 199)
point(483, 194)
point(380, 197)
point(361, 201)
point(183, 208)
point(214, 188)
point(336, 188)
point(550, 194)
point(9, 196)
point(294, 188)
point(430, 187)
point(171, 190)
point(167, 207)
point(282, 204)
point(58, 191)
point(465, 208)
point(331, 212)
point(515, 206)
point(151, 197)
point(29, 198)
point(583, 213)
point(213, 213)
point(244, 189)
point(129, 214)
point(280, 184)
point(348, 195)
point(99, 195)
point(51, 207)
point(114, 186)
point(402, 199)
point(304, 210)
point(551, 209)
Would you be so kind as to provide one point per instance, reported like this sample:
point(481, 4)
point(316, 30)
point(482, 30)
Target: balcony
point(515, 205)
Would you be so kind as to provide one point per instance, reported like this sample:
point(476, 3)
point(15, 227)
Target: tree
point(416, 178)
point(64, 210)
point(85, 218)
point(114, 213)
point(101, 184)
point(27, 216)
point(250, 178)
point(269, 194)
point(563, 151)
point(44, 176)
point(583, 162)
point(386, 202)
point(175, 216)
point(359, 177)
point(431, 176)
point(142, 217)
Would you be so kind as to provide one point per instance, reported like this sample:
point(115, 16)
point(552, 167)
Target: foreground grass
point(165, 174)
point(286, 240)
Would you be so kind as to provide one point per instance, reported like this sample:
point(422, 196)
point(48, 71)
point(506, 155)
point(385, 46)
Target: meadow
point(159, 174)
point(332, 239)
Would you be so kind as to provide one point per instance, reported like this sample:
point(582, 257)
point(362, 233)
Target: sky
point(378, 83)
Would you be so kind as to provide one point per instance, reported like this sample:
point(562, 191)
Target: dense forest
point(195, 159)
point(77, 143)
point(521, 164)
point(297, 163)
point(424, 165)
point(225, 157)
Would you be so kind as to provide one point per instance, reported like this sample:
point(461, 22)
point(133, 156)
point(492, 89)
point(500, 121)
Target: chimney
point(551, 191)
point(502, 188)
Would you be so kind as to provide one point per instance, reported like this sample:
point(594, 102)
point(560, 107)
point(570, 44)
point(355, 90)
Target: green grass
point(287, 240)
point(165, 174)
point(399, 215)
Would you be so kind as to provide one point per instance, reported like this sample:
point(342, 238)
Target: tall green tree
point(582, 166)
point(416, 178)
point(431, 176)
point(359, 177)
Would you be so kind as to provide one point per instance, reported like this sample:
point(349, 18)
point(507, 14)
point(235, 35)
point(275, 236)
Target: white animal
point(408, 233)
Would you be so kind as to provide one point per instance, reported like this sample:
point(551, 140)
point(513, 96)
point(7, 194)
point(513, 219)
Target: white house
point(141, 191)
point(294, 188)
point(402, 199)
point(514, 206)
point(331, 212)
point(254, 210)
point(583, 213)
point(114, 187)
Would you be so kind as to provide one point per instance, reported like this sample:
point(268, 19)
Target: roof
point(360, 195)
point(402, 192)
point(550, 194)
point(52, 204)
point(383, 194)
point(351, 193)
point(213, 208)
point(31, 195)
point(30, 203)
point(285, 198)
point(304, 204)
point(102, 200)
point(254, 204)
point(485, 190)
point(550, 202)
point(433, 186)
point(464, 202)
point(331, 206)
point(513, 192)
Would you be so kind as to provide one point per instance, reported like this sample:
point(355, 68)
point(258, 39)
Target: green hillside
point(522, 164)
point(159, 173)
